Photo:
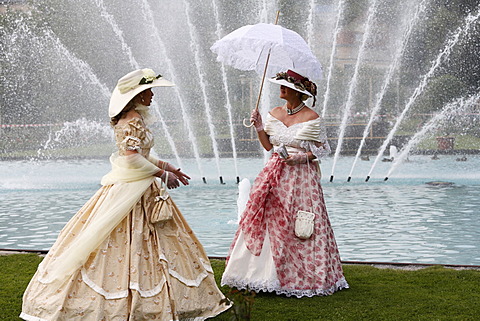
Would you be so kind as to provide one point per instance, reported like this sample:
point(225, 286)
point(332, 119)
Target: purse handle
point(308, 172)
point(166, 178)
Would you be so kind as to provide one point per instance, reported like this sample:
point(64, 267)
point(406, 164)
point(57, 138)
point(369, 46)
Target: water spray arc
point(326, 95)
point(83, 68)
point(454, 107)
point(133, 62)
point(451, 42)
point(388, 78)
point(228, 104)
point(353, 83)
point(147, 11)
point(203, 85)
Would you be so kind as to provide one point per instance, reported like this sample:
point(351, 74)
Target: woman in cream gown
point(266, 254)
point(111, 262)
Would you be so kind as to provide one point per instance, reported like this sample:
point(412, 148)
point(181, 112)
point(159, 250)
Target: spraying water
point(198, 64)
point(456, 106)
point(263, 12)
point(310, 32)
point(118, 32)
point(228, 105)
point(326, 95)
point(452, 41)
point(133, 62)
point(388, 78)
point(82, 68)
point(186, 119)
point(265, 98)
point(353, 83)
point(77, 132)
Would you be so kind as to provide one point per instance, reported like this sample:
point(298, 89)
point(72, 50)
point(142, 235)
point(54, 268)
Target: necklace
point(294, 110)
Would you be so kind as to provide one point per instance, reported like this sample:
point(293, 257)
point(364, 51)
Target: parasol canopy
point(248, 48)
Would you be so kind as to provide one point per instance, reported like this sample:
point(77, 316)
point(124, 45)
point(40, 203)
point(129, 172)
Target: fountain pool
point(409, 218)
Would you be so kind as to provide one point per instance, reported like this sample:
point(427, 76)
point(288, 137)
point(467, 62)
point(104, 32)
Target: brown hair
point(114, 120)
point(131, 105)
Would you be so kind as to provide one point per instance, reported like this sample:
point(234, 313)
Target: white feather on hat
point(131, 85)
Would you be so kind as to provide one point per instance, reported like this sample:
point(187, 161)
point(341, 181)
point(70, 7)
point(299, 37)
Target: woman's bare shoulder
point(310, 114)
point(277, 112)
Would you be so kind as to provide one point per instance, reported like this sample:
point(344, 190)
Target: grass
point(15, 273)
point(434, 293)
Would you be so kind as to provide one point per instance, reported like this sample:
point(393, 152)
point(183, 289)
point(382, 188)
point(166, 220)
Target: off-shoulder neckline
point(303, 122)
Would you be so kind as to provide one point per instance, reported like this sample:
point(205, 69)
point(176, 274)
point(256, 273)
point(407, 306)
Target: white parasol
point(268, 49)
point(247, 48)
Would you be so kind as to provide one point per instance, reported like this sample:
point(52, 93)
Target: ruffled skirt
point(266, 255)
point(141, 271)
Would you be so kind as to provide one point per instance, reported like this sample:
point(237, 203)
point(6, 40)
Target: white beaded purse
point(305, 221)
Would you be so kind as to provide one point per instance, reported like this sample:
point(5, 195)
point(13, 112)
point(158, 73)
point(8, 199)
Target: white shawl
point(131, 175)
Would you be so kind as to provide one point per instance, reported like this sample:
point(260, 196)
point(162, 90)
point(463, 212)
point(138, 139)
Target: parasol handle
point(263, 77)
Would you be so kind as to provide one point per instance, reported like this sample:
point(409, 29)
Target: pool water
point(405, 219)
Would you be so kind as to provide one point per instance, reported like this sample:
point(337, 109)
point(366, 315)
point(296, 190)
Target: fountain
point(383, 86)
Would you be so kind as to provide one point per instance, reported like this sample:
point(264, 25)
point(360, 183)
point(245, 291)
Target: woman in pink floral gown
point(266, 254)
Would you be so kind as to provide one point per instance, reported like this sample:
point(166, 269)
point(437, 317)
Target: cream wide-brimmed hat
point(294, 80)
point(131, 85)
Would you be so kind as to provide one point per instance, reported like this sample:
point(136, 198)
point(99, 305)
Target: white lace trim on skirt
point(275, 287)
point(247, 271)
point(148, 293)
point(29, 317)
point(190, 282)
point(100, 290)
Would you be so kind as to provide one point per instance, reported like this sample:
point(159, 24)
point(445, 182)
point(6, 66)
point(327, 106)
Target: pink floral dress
point(265, 254)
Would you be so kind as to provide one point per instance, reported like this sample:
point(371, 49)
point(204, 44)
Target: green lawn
point(433, 293)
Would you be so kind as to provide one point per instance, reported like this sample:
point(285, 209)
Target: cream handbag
point(304, 221)
point(163, 208)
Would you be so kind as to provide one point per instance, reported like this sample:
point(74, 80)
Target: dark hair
point(129, 106)
point(114, 120)
point(300, 82)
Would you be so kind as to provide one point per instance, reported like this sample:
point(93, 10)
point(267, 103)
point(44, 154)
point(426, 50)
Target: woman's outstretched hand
point(170, 179)
point(182, 177)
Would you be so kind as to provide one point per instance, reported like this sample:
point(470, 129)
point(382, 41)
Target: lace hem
point(100, 290)
point(275, 287)
point(190, 282)
point(148, 293)
point(29, 317)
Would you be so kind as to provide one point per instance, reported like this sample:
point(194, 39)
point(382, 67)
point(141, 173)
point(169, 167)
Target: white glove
point(170, 179)
point(256, 119)
point(298, 158)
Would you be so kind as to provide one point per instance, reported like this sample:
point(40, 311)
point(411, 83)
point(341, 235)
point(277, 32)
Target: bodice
point(281, 134)
point(133, 135)
point(305, 136)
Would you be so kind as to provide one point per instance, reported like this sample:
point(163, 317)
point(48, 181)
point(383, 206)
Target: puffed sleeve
point(130, 136)
point(312, 133)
